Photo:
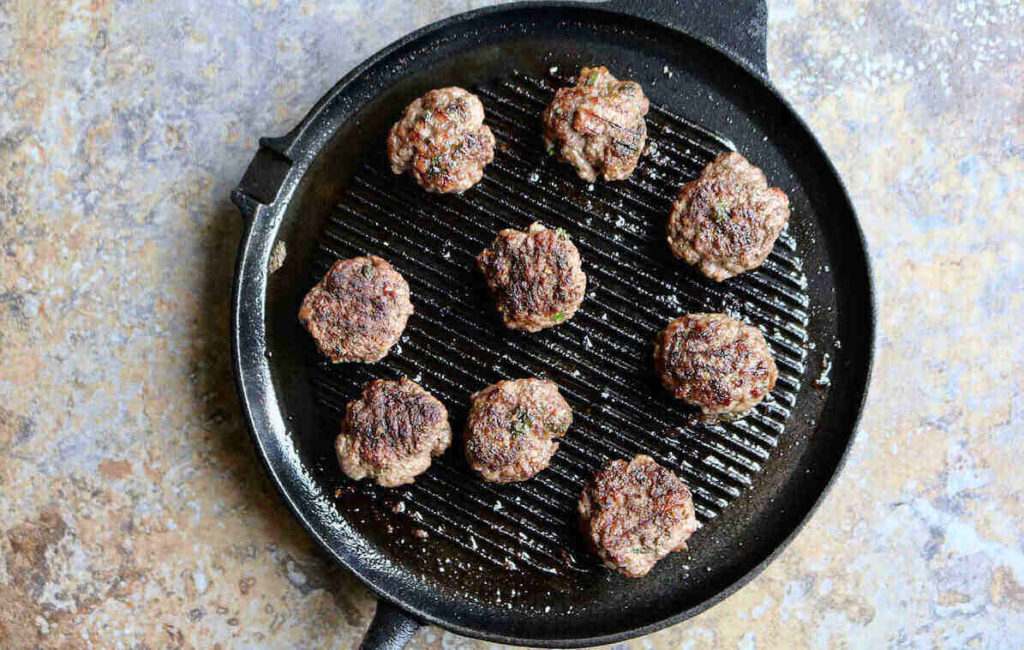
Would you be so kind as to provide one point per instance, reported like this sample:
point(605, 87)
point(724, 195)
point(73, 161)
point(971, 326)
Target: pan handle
point(265, 175)
point(390, 629)
point(738, 27)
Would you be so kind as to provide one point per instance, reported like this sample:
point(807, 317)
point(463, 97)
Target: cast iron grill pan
point(506, 562)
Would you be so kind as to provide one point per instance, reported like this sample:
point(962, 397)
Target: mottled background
point(133, 512)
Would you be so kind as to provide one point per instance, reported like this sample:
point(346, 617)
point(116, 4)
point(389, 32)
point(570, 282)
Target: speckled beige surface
point(133, 512)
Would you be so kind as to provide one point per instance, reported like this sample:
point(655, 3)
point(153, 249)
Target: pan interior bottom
point(601, 359)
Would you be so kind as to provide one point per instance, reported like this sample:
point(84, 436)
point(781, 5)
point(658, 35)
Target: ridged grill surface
point(601, 359)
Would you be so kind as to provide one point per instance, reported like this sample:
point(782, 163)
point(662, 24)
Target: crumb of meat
point(277, 255)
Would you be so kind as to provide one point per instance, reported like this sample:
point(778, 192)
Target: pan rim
point(299, 142)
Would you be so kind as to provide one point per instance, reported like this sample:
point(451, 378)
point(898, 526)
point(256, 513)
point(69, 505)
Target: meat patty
point(358, 311)
point(633, 514)
point(512, 426)
point(535, 277)
point(391, 432)
point(726, 222)
point(598, 125)
point(715, 362)
point(442, 141)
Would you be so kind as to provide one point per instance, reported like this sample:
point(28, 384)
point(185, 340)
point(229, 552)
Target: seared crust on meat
point(358, 311)
point(512, 426)
point(598, 125)
point(442, 141)
point(535, 277)
point(715, 362)
point(391, 432)
point(632, 514)
point(726, 222)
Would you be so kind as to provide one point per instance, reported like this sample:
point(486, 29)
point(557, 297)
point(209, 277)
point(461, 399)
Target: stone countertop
point(133, 512)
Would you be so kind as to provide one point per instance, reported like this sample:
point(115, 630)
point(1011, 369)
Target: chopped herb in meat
point(521, 422)
point(435, 165)
point(720, 213)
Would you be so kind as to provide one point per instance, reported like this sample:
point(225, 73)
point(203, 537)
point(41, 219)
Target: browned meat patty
point(512, 426)
point(597, 126)
point(633, 514)
point(535, 277)
point(442, 141)
point(715, 362)
point(391, 432)
point(358, 311)
point(726, 222)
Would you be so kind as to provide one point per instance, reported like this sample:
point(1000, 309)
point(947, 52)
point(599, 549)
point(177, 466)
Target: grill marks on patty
point(358, 311)
point(512, 426)
point(715, 362)
point(442, 141)
point(598, 125)
point(535, 276)
point(633, 514)
point(391, 432)
point(726, 221)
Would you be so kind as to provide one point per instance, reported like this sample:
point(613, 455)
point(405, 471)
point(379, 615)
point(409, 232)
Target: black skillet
point(504, 563)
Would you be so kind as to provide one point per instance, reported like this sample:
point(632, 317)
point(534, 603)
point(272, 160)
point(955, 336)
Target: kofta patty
point(442, 141)
point(633, 514)
point(598, 126)
point(726, 222)
point(512, 426)
point(358, 311)
point(715, 362)
point(391, 432)
point(535, 277)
